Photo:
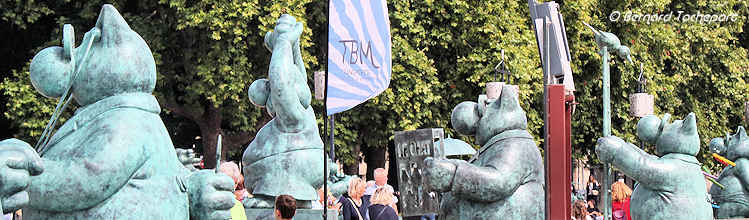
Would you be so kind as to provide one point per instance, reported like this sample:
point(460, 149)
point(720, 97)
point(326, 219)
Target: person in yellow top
point(232, 170)
point(237, 212)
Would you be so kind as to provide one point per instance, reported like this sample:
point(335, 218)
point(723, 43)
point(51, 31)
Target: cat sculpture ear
point(258, 92)
point(689, 125)
point(741, 134)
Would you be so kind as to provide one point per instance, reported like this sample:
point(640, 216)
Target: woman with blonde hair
point(354, 208)
point(382, 202)
point(620, 195)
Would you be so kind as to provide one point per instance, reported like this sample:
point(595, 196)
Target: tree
point(690, 67)
point(206, 53)
point(444, 52)
point(688, 70)
point(219, 51)
point(14, 17)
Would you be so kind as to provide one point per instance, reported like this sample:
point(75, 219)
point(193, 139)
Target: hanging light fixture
point(641, 103)
point(494, 89)
point(746, 112)
point(320, 85)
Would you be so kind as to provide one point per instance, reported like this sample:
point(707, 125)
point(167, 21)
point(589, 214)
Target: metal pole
point(605, 198)
point(325, 178)
point(218, 154)
point(325, 117)
point(606, 92)
point(545, 66)
point(332, 137)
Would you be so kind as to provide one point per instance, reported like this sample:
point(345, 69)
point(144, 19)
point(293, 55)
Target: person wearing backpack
point(620, 195)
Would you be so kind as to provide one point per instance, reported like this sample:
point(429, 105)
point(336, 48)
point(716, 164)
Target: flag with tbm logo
point(359, 45)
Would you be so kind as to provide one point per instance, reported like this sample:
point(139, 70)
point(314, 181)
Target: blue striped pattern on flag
point(359, 62)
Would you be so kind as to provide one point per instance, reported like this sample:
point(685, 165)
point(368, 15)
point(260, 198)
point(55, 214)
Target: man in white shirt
point(380, 180)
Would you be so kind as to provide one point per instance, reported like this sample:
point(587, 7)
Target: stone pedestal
point(301, 214)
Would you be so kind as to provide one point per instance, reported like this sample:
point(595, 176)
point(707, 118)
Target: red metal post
point(569, 101)
point(557, 150)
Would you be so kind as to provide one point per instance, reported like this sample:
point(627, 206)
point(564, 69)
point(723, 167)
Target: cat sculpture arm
point(18, 162)
point(478, 183)
point(285, 76)
point(210, 195)
point(634, 162)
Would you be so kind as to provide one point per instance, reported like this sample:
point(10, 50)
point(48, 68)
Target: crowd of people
point(587, 209)
point(373, 200)
point(364, 200)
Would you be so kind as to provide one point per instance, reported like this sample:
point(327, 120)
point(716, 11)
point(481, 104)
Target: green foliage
point(465, 44)
point(444, 52)
point(22, 12)
point(30, 109)
point(690, 67)
point(207, 53)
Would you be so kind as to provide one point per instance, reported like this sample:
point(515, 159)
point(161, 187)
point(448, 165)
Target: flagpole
point(325, 116)
point(332, 137)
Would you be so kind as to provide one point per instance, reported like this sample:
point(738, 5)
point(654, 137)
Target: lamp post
point(607, 42)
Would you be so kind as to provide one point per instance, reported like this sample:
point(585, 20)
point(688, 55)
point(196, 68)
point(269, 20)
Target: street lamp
point(607, 42)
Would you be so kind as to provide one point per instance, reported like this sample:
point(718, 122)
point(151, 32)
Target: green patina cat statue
point(114, 158)
point(670, 185)
point(505, 180)
point(286, 155)
point(733, 200)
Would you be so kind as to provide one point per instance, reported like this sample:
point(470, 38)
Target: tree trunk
point(352, 169)
point(393, 164)
point(209, 123)
point(210, 138)
point(239, 140)
point(374, 156)
point(210, 128)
